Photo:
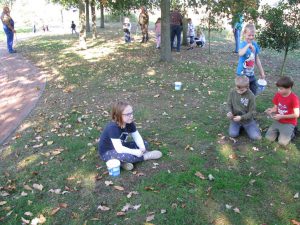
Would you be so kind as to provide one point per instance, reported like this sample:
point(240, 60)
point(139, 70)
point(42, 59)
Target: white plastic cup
point(113, 166)
point(261, 85)
point(178, 86)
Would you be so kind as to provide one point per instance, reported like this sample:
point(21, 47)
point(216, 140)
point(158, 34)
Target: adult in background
point(144, 22)
point(8, 27)
point(176, 27)
point(237, 29)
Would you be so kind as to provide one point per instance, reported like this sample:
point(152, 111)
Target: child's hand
point(277, 117)
point(229, 115)
point(251, 47)
point(237, 118)
point(143, 150)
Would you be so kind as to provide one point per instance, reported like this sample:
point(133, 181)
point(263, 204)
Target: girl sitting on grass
point(113, 142)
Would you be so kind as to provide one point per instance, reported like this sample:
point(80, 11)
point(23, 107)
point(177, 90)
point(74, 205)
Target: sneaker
point(152, 155)
point(127, 166)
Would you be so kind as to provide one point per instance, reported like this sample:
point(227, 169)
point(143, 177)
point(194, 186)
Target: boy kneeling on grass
point(241, 105)
point(284, 112)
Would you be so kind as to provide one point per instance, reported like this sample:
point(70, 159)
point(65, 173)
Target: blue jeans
point(251, 129)
point(124, 157)
point(253, 84)
point(10, 38)
point(237, 33)
point(176, 30)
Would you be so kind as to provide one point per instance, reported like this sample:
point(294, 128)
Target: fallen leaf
point(132, 193)
point(4, 194)
point(28, 214)
point(228, 206)
point(136, 207)
point(39, 220)
point(148, 188)
point(107, 183)
point(27, 187)
point(210, 177)
point(126, 207)
point(119, 188)
point(200, 175)
point(103, 208)
point(156, 96)
point(50, 142)
point(54, 211)
point(56, 191)
point(63, 205)
point(150, 217)
point(255, 149)
point(295, 222)
point(3, 203)
point(296, 195)
point(38, 187)
point(56, 151)
point(237, 210)
point(120, 213)
point(163, 211)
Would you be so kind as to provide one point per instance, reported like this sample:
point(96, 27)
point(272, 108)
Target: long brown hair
point(117, 111)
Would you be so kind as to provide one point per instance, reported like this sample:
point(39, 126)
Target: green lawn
point(255, 182)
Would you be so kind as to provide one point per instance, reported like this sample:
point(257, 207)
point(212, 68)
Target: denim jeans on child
point(284, 132)
point(251, 129)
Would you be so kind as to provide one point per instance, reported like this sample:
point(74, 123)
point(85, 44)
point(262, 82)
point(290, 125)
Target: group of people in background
point(241, 100)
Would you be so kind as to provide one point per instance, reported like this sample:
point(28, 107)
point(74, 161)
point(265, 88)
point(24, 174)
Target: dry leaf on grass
point(119, 188)
point(108, 182)
point(54, 211)
point(200, 175)
point(136, 207)
point(156, 96)
point(28, 214)
point(132, 193)
point(27, 187)
point(163, 211)
point(296, 195)
point(295, 222)
point(40, 220)
point(4, 194)
point(25, 221)
point(56, 191)
point(120, 213)
point(126, 207)
point(3, 203)
point(63, 205)
point(150, 217)
point(38, 187)
point(228, 206)
point(237, 210)
point(103, 208)
point(210, 177)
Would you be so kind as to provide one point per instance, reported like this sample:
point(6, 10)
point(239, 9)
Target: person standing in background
point(144, 23)
point(8, 27)
point(176, 27)
point(237, 28)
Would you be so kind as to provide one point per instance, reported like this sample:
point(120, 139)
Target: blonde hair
point(249, 27)
point(117, 111)
point(242, 81)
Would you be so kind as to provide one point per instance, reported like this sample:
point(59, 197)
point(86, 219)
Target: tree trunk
point(102, 15)
point(87, 13)
point(165, 52)
point(93, 10)
point(284, 60)
point(82, 25)
point(209, 18)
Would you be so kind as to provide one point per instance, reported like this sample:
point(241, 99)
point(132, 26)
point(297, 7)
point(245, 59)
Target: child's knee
point(255, 137)
point(284, 141)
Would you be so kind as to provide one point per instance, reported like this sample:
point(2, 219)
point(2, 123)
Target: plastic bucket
point(178, 86)
point(261, 85)
point(113, 166)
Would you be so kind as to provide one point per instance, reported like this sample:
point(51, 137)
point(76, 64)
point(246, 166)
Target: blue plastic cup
point(261, 85)
point(113, 166)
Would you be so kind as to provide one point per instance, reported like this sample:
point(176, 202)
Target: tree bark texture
point(102, 15)
point(87, 14)
point(82, 25)
point(93, 11)
point(165, 52)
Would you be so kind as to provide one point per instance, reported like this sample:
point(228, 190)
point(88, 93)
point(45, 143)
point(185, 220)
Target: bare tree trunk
point(165, 52)
point(82, 25)
point(284, 60)
point(87, 13)
point(102, 15)
point(184, 31)
point(209, 18)
point(93, 10)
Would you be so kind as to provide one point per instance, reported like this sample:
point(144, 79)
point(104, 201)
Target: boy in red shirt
point(285, 112)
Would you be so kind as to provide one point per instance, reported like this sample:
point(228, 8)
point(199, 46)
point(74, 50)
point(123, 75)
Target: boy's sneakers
point(127, 166)
point(152, 155)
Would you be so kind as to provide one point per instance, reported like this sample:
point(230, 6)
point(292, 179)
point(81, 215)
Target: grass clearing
point(58, 147)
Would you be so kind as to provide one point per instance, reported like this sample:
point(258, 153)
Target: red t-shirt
point(286, 106)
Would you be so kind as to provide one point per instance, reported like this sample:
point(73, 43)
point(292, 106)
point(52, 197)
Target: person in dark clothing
point(176, 28)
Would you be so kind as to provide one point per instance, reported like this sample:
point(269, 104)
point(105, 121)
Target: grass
point(188, 126)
